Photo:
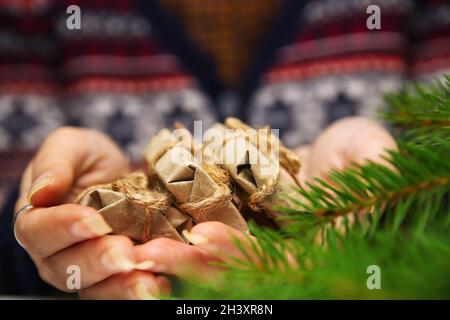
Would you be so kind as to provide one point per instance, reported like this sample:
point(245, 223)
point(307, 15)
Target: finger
point(66, 154)
point(135, 285)
point(45, 231)
point(97, 259)
point(177, 258)
point(220, 240)
point(54, 166)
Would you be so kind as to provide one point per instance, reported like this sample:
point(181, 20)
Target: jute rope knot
point(257, 198)
point(218, 175)
point(289, 160)
point(157, 201)
point(135, 189)
point(200, 208)
point(217, 200)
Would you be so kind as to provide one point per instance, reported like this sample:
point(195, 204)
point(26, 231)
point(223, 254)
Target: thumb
point(57, 163)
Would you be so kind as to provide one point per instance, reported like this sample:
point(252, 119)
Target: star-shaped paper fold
point(201, 190)
point(132, 210)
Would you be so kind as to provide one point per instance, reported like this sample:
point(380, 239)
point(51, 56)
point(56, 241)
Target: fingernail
point(140, 292)
point(115, 259)
point(196, 239)
point(199, 239)
point(159, 268)
point(211, 248)
point(41, 182)
point(91, 226)
point(145, 265)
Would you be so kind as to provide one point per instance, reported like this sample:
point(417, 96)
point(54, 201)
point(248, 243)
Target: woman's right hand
point(57, 234)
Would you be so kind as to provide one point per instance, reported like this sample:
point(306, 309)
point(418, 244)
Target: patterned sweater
point(137, 66)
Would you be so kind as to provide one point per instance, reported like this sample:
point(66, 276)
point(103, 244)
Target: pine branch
point(417, 168)
point(417, 106)
point(405, 229)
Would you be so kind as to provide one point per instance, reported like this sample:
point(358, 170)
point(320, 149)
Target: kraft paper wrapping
point(132, 210)
point(201, 190)
point(264, 183)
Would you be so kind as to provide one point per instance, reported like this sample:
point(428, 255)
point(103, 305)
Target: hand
point(57, 235)
point(352, 139)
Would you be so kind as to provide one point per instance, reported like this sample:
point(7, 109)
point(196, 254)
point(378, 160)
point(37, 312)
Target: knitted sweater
point(137, 66)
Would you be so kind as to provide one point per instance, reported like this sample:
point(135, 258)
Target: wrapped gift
point(201, 190)
point(135, 211)
point(258, 163)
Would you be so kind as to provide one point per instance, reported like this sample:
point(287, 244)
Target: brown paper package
point(264, 183)
point(201, 190)
point(132, 210)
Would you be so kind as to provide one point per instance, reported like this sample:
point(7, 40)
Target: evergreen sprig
point(416, 168)
point(395, 216)
point(417, 106)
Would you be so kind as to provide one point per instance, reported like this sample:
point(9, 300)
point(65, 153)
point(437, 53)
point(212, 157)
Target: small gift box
point(201, 190)
point(135, 211)
point(259, 164)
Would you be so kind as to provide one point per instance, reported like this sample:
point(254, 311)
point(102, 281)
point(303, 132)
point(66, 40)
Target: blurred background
point(137, 66)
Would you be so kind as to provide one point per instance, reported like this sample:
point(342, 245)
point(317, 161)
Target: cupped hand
point(69, 160)
point(57, 234)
